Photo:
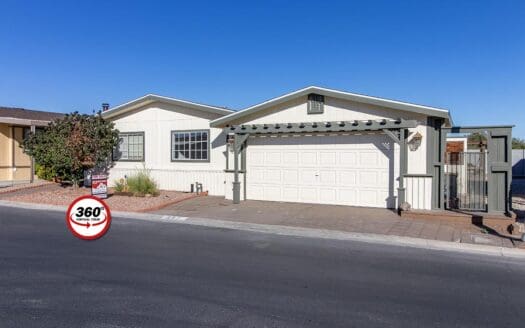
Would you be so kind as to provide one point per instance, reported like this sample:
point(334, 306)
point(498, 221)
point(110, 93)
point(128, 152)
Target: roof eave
point(23, 121)
point(425, 110)
point(151, 98)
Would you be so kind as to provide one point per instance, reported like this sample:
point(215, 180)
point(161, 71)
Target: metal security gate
point(466, 181)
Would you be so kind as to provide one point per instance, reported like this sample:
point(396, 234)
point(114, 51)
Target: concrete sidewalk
point(338, 218)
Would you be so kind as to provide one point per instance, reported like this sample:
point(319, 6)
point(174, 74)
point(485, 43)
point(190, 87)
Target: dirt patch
point(55, 194)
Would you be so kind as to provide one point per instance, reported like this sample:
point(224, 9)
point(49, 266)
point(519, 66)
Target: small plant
point(121, 186)
point(141, 184)
point(45, 173)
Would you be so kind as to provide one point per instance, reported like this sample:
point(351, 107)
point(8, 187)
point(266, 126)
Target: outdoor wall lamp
point(415, 142)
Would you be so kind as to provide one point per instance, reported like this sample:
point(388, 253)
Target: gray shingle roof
point(28, 114)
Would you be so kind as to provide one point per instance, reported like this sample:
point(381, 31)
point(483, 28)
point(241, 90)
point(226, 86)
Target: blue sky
point(466, 56)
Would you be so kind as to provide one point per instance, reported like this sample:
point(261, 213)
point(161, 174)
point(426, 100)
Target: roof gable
point(151, 98)
point(392, 104)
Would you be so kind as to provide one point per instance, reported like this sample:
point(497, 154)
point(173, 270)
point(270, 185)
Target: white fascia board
point(151, 98)
point(393, 104)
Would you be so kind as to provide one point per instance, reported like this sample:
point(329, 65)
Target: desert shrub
point(120, 185)
point(72, 144)
point(141, 184)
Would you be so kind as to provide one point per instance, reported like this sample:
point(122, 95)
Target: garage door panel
point(308, 176)
point(272, 158)
point(368, 178)
point(384, 198)
point(257, 174)
point(308, 194)
point(368, 159)
point(328, 195)
point(272, 175)
point(255, 191)
point(257, 157)
point(290, 176)
point(384, 177)
point(291, 193)
point(347, 158)
point(272, 193)
point(347, 178)
point(327, 177)
point(347, 196)
point(291, 158)
point(308, 158)
point(328, 158)
point(368, 197)
point(346, 170)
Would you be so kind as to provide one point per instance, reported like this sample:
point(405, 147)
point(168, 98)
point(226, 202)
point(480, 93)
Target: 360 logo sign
point(88, 218)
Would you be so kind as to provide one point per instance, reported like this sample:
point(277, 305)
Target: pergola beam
point(392, 135)
point(336, 126)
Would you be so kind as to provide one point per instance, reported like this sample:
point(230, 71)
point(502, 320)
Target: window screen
point(130, 147)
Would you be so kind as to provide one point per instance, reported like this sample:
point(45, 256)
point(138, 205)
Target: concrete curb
point(303, 232)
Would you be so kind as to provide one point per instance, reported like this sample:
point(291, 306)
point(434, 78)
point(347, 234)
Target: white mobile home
point(314, 145)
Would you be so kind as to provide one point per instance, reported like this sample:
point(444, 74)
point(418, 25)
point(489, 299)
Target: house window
point(130, 147)
point(26, 132)
point(315, 104)
point(190, 145)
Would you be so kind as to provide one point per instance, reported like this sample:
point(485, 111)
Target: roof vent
point(315, 104)
point(105, 107)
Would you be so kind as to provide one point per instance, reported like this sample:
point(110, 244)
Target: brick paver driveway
point(332, 217)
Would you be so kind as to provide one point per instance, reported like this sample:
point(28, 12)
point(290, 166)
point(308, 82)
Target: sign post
point(99, 186)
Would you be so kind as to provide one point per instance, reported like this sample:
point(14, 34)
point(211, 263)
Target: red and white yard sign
point(88, 217)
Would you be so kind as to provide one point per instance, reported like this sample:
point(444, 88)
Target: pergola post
point(403, 166)
point(239, 140)
point(236, 182)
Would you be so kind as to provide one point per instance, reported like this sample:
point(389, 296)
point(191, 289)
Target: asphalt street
point(160, 274)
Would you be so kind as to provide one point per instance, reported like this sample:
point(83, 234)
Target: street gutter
point(301, 232)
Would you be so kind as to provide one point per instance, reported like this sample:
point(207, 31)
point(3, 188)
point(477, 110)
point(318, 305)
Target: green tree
point(518, 143)
point(72, 144)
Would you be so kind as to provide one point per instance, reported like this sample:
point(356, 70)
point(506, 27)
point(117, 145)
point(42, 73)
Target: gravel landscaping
point(54, 194)
point(6, 187)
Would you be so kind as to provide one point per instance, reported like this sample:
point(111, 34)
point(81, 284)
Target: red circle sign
point(88, 217)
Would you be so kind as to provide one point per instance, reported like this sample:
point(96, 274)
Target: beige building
point(15, 124)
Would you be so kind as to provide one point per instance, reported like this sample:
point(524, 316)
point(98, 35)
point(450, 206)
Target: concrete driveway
point(332, 217)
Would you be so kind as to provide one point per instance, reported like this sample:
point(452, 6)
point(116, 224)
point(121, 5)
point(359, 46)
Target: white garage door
point(343, 169)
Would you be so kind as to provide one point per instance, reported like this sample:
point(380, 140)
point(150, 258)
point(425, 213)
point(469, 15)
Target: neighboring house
point(15, 124)
point(314, 145)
